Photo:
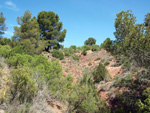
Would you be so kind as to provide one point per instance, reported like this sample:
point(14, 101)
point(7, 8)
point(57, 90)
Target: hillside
point(39, 75)
point(86, 64)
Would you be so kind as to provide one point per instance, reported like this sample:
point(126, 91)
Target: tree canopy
point(28, 32)
point(2, 24)
point(123, 24)
point(90, 41)
point(51, 28)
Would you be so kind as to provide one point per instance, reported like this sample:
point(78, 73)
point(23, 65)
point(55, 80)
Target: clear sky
point(81, 18)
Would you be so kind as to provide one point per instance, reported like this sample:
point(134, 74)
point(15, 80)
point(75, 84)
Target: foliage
point(125, 81)
point(4, 51)
point(2, 24)
point(21, 49)
point(99, 73)
point(73, 47)
point(143, 105)
point(106, 63)
point(90, 41)
point(75, 57)
point(24, 86)
point(20, 60)
point(5, 41)
point(123, 24)
point(29, 33)
point(107, 44)
point(29, 28)
point(38, 63)
point(86, 47)
point(82, 99)
point(58, 54)
point(61, 86)
point(89, 64)
point(84, 52)
point(51, 28)
point(67, 53)
point(95, 47)
point(143, 77)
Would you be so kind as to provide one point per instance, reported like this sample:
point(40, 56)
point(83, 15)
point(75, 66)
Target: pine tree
point(90, 41)
point(2, 24)
point(51, 28)
point(28, 32)
point(123, 24)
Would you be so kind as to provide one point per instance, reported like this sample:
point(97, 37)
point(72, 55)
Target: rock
point(2, 111)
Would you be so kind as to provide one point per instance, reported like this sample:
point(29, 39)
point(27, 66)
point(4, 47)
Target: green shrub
point(89, 64)
point(58, 54)
point(107, 44)
point(98, 59)
point(134, 70)
point(5, 41)
point(100, 73)
point(143, 104)
point(40, 59)
point(5, 51)
point(86, 47)
point(24, 86)
point(17, 50)
point(82, 100)
point(84, 52)
point(75, 57)
point(126, 65)
point(73, 47)
point(61, 86)
point(95, 47)
point(67, 52)
point(126, 81)
point(71, 50)
point(20, 60)
point(106, 63)
point(90, 41)
point(26, 48)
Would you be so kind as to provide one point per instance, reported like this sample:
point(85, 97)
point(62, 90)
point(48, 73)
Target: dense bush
point(17, 50)
point(99, 73)
point(24, 86)
point(67, 53)
point(82, 99)
point(94, 47)
point(84, 52)
point(86, 47)
point(5, 41)
point(73, 47)
point(106, 63)
point(75, 57)
point(143, 105)
point(20, 60)
point(58, 54)
point(90, 41)
point(5, 51)
point(107, 44)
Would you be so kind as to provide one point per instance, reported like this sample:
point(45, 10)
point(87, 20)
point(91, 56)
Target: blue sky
point(81, 18)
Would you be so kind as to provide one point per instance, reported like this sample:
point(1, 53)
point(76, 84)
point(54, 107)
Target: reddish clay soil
point(87, 64)
point(90, 61)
